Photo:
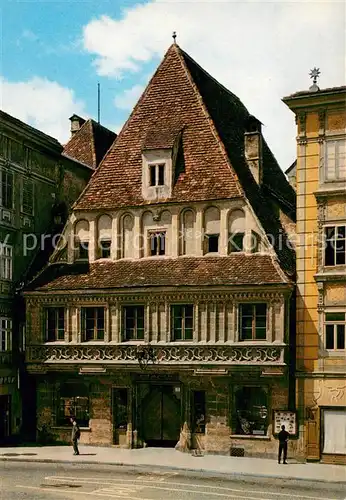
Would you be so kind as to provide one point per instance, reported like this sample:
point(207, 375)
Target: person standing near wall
point(283, 440)
point(75, 435)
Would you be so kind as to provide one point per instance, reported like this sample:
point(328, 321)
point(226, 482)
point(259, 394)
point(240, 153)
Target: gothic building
point(163, 317)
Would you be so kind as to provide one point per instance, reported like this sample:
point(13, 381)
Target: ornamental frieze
point(110, 299)
point(170, 354)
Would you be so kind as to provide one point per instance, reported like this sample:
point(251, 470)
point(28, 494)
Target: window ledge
point(69, 428)
point(251, 436)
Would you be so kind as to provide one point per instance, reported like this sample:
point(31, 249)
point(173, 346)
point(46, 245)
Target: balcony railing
point(168, 354)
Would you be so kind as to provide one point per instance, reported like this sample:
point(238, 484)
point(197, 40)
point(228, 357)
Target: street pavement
point(163, 458)
point(36, 481)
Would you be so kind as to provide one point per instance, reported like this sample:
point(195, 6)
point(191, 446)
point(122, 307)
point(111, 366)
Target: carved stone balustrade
point(166, 355)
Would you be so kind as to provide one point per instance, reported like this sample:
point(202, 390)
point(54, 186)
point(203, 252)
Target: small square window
point(157, 174)
point(212, 243)
point(236, 242)
point(105, 249)
point(83, 250)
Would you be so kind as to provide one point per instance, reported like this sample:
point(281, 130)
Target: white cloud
point(260, 50)
point(128, 98)
point(42, 103)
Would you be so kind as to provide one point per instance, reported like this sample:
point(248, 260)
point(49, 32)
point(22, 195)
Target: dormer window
point(157, 174)
point(212, 243)
point(157, 243)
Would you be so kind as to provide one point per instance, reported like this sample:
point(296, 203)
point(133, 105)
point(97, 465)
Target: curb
point(209, 472)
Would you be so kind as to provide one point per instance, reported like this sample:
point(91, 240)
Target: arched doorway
point(161, 416)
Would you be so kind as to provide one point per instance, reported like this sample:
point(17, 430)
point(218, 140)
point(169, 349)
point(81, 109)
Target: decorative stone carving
point(169, 354)
point(302, 124)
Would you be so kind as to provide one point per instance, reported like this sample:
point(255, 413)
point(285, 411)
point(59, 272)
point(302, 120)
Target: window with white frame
point(335, 323)
point(335, 160)
point(7, 189)
point(6, 261)
point(335, 245)
point(157, 174)
point(5, 334)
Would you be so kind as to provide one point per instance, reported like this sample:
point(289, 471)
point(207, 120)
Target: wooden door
point(161, 417)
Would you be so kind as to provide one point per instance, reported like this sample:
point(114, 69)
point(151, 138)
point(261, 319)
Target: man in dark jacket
point(283, 440)
point(75, 435)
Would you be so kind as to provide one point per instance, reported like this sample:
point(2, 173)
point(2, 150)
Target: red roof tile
point(236, 269)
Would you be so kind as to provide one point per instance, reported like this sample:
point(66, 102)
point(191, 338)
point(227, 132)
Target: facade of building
point(321, 270)
point(163, 318)
point(37, 188)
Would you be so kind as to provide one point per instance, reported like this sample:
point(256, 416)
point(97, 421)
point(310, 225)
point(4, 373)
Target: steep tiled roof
point(90, 143)
point(237, 269)
point(171, 98)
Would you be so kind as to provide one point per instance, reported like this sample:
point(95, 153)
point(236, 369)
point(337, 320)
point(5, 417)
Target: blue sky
point(54, 53)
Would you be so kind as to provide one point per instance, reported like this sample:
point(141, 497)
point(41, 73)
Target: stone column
point(93, 243)
point(199, 233)
point(137, 237)
point(115, 248)
point(175, 235)
point(223, 250)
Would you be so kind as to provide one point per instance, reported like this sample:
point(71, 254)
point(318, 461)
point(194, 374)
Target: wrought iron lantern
point(145, 354)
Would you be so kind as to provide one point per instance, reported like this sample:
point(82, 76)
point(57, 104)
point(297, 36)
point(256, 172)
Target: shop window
point(251, 411)
point(198, 411)
point(335, 324)
point(333, 431)
point(73, 402)
point(335, 160)
point(182, 321)
point(253, 321)
point(6, 261)
point(134, 322)
point(5, 334)
point(335, 246)
point(93, 323)
point(157, 243)
point(55, 324)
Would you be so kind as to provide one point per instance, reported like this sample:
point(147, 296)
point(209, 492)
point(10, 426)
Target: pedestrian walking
point(75, 435)
point(283, 440)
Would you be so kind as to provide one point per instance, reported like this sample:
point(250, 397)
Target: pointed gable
point(171, 99)
point(90, 143)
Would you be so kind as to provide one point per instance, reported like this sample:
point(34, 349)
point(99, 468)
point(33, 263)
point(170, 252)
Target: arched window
point(82, 240)
point(211, 230)
point(236, 231)
point(127, 236)
point(104, 236)
point(187, 233)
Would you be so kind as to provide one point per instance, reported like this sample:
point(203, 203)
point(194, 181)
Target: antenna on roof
point(174, 36)
point(98, 102)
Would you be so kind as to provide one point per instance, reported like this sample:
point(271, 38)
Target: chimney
point(76, 123)
point(253, 147)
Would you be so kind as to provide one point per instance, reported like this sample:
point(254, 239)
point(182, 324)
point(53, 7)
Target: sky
point(54, 53)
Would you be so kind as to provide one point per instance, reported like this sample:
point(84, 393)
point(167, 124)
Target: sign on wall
point(286, 418)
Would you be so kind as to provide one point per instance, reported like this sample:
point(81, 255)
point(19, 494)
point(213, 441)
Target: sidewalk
point(175, 460)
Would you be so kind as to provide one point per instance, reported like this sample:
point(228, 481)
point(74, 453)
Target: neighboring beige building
point(37, 187)
point(163, 318)
point(321, 270)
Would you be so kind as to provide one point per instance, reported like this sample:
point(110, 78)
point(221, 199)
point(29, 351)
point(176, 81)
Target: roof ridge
point(214, 131)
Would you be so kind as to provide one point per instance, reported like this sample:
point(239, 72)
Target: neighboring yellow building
point(321, 271)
